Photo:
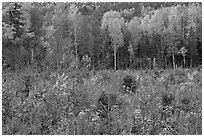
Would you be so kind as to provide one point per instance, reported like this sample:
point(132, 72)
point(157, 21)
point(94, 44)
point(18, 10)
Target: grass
point(66, 103)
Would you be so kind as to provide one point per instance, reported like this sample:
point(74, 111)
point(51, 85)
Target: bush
point(59, 103)
point(130, 84)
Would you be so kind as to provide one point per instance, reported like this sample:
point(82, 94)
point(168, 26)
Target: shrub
point(105, 103)
point(60, 104)
point(130, 84)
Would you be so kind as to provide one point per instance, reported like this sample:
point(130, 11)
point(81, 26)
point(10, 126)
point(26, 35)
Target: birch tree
point(136, 33)
point(112, 24)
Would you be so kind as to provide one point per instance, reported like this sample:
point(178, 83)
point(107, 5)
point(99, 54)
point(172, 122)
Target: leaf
point(134, 27)
point(113, 22)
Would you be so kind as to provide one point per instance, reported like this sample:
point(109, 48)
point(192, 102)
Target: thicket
point(102, 103)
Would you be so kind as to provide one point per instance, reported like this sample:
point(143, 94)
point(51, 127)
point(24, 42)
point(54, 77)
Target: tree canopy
point(58, 35)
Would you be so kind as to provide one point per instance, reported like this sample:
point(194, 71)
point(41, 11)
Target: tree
point(136, 33)
point(73, 14)
point(38, 33)
point(173, 32)
point(112, 23)
point(16, 28)
point(183, 51)
point(194, 27)
point(85, 37)
point(37, 47)
point(59, 33)
point(158, 23)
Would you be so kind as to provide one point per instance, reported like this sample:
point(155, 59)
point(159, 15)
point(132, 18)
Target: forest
point(116, 68)
point(101, 35)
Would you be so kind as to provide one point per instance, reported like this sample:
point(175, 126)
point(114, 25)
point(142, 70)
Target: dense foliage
point(58, 61)
point(110, 35)
point(103, 102)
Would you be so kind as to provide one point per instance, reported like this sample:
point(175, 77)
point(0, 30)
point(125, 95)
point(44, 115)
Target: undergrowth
point(103, 102)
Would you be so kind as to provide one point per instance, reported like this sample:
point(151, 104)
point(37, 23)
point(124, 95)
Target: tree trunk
point(131, 62)
point(184, 61)
point(75, 41)
point(191, 64)
point(115, 63)
point(149, 63)
point(154, 63)
point(32, 56)
point(173, 61)
point(165, 59)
